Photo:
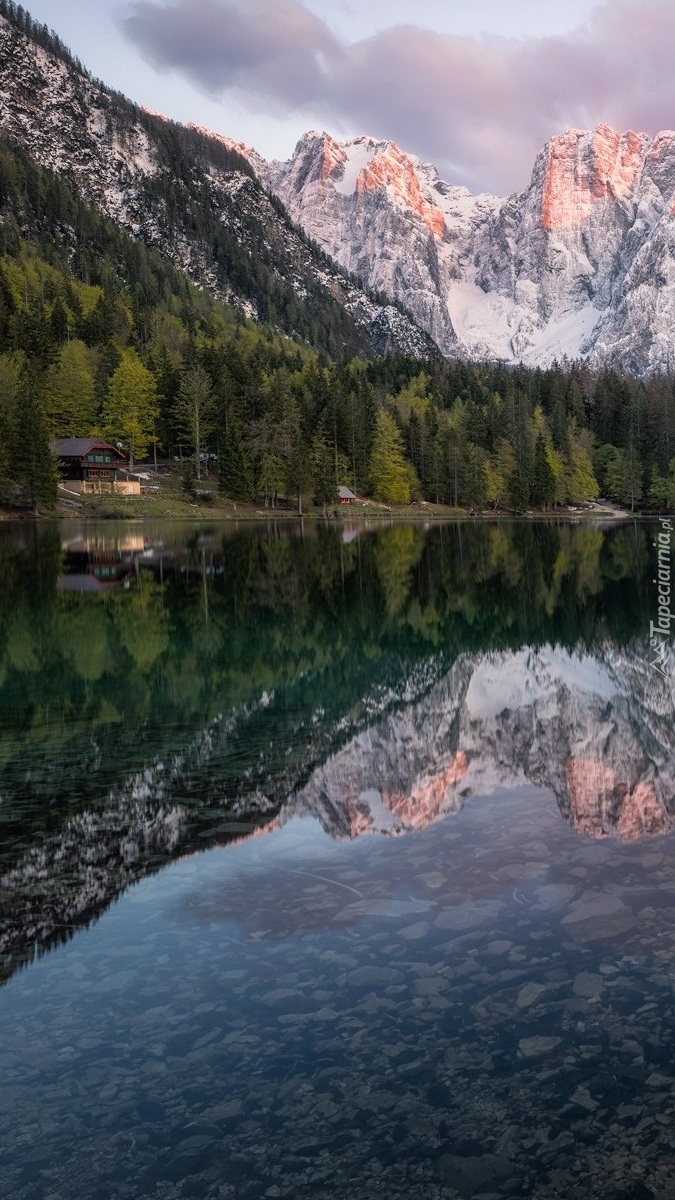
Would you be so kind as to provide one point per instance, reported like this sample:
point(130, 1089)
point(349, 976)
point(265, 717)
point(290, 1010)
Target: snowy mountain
point(579, 264)
point(192, 196)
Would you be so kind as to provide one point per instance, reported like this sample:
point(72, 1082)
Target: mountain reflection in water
point(375, 683)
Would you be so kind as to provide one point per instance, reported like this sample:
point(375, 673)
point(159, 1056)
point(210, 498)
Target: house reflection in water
point(98, 564)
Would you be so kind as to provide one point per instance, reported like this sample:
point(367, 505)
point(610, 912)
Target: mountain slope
point(189, 196)
point(578, 264)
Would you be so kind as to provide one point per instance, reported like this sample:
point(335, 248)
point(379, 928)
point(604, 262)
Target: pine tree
point(542, 491)
point(323, 469)
point(195, 409)
point(34, 466)
point(475, 482)
point(11, 366)
point(234, 472)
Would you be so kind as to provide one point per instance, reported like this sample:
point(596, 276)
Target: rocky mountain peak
point(583, 169)
point(578, 265)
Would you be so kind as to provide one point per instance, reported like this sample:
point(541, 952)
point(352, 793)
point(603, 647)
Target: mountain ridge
point(191, 197)
point(577, 265)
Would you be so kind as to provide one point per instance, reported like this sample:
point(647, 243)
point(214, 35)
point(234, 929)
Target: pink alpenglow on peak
point(333, 157)
point(391, 168)
point(365, 165)
point(585, 168)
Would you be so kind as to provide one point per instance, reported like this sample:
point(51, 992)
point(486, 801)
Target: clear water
point(335, 864)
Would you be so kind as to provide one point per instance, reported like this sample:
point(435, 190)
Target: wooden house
point(345, 495)
point(87, 458)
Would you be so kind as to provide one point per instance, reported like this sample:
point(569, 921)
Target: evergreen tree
point(658, 490)
point(633, 487)
point(271, 477)
point(475, 481)
point(34, 466)
point(234, 472)
point(195, 410)
point(542, 491)
point(11, 366)
point(323, 469)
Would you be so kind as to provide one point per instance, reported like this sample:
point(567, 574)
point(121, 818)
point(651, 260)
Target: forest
point(101, 335)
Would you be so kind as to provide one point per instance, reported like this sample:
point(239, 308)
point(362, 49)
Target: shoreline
point(356, 516)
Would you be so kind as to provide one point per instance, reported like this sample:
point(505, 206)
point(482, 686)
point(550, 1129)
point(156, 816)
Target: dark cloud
point(264, 49)
point(479, 108)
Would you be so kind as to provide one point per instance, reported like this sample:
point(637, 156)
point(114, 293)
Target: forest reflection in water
point(482, 1007)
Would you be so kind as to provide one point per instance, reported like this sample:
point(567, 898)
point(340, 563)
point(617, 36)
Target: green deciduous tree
point(130, 410)
point(70, 392)
point(393, 480)
point(581, 481)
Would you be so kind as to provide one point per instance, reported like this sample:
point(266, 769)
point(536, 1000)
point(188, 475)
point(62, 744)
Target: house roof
point(345, 494)
point(78, 447)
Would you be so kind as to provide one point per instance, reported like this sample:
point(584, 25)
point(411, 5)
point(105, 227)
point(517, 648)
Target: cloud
point(480, 108)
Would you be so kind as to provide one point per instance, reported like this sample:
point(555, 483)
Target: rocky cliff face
point(172, 187)
point(579, 264)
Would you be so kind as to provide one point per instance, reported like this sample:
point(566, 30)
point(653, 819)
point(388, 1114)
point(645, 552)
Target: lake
point(336, 862)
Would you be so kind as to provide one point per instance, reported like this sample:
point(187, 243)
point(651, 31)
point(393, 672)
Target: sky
point(475, 87)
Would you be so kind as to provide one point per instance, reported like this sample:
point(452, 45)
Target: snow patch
point(490, 325)
point(359, 155)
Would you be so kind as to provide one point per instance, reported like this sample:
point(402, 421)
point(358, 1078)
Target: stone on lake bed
point(533, 1047)
point(529, 994)
point(413, 933)
point(588, 985)
point(583, 1098)
point(594, 917)
point(555, 895)
point(476, 1174)
point(468, 916)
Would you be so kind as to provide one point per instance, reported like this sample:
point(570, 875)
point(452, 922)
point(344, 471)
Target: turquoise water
point(335, 863)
